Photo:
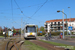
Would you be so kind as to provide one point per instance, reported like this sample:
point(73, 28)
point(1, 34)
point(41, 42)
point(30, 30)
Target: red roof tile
point(17, 29)
point(59, 20)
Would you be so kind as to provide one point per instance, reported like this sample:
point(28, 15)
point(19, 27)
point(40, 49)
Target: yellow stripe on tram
point(31, 33)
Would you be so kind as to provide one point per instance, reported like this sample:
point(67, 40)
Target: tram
point(30, 31)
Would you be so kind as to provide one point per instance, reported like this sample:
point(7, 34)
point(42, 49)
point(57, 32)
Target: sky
point(18, 13)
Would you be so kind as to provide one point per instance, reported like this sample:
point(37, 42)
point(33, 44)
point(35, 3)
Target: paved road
point(59, 41)
point(2, 38)
point(9, 37)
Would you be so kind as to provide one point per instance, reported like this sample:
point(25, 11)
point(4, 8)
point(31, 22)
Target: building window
point(58, 28)
point(65, 25)
point(46, 30)
point(46, 23)
point(58, 22)
point(55, 27)
point(51, 22)
point(62, 22)
point(50, 25)
point(54, 22)
point(45, 26)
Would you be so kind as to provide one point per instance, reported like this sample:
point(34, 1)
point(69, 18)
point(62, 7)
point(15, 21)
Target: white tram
point(30, 31)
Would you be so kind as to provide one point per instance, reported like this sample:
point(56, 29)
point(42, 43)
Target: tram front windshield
point(31, 29)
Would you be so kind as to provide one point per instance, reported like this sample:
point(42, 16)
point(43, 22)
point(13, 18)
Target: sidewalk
point(64, 42)
point(68, 42)
point(60, 41)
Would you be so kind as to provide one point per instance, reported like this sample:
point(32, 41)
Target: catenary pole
point(63, 23)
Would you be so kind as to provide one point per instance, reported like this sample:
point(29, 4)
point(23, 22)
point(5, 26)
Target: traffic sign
point(70, 28)
point(10, 33)
point(40, 31)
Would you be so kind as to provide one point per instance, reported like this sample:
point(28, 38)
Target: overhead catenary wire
point(35, 19)
point(12, 12)
point(38, 9)
point(20, 9)
point(34, 12)
point(12, 8)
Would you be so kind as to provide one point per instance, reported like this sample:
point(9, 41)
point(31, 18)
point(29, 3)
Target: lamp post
point(63, 22)
point(70, 15)
point(70, 19)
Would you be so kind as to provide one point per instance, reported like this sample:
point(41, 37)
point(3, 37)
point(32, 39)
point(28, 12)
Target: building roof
point(59, 20)
point(17, 29)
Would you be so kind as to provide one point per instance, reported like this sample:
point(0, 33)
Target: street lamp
point(69, 15)
point(63, 22)
point(58, 11)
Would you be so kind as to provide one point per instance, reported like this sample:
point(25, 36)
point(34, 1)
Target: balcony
point(58, 30)
point(54, 25)
point(52, 28)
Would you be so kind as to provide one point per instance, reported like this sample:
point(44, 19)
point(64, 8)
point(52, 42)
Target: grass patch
point(72, 36)
point(67, 35)
point(32, 46)
point(43, 35)
point(59, 44)
point(1, 36)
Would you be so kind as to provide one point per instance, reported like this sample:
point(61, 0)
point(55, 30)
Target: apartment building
point(57, 25)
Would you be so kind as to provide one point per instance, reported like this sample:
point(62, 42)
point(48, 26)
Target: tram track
point(14, 44)
point(46, 45)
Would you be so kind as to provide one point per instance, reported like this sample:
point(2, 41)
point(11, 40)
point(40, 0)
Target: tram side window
point(26, 30)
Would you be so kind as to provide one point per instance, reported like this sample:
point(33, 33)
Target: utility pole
point(5, 31)
point(39, 26)
point(21, 27)
point(63, 23)
point(70, 19)
point(66, 25)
